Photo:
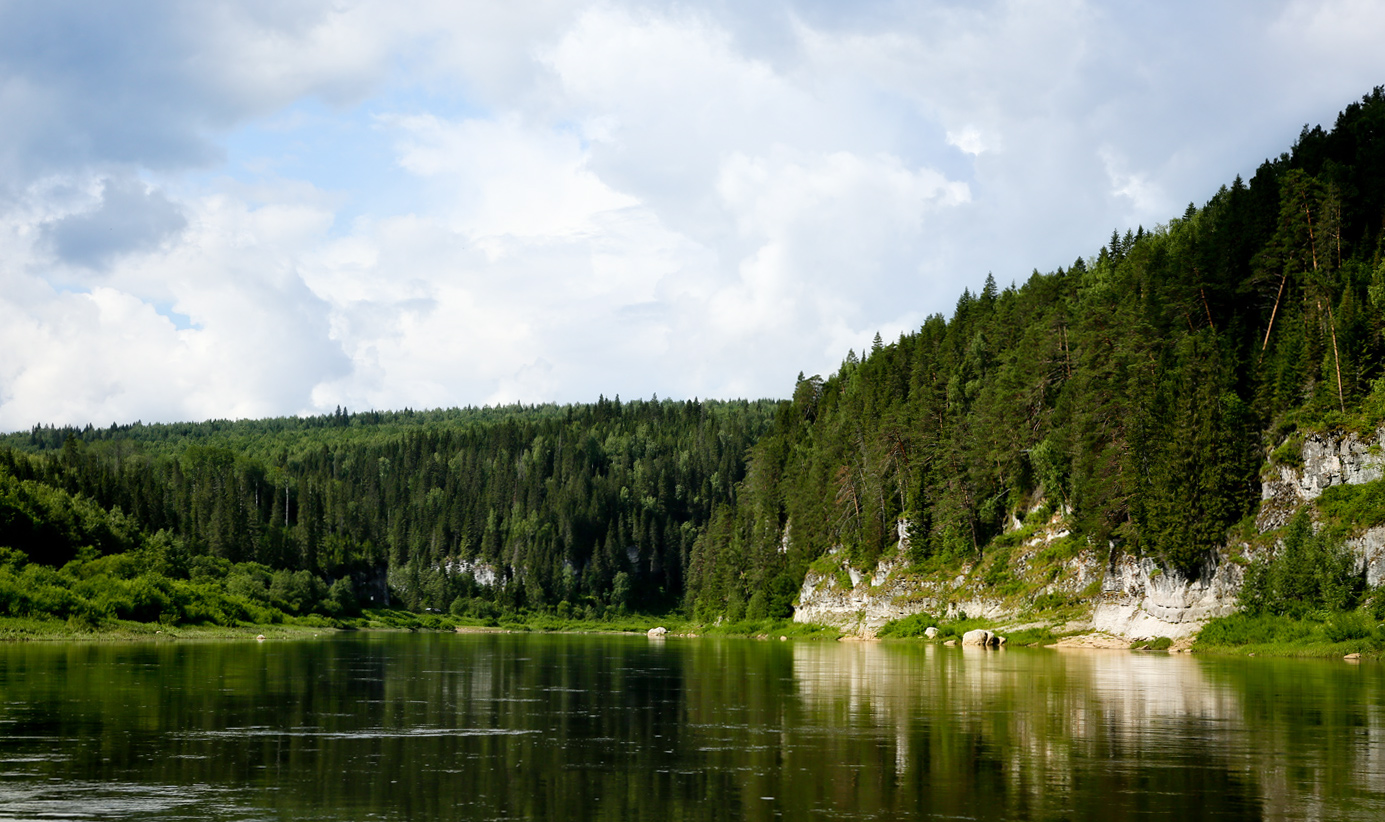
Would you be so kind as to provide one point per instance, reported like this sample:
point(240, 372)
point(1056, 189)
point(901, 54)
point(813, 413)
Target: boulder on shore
point(979, 636)
point(930, 632)
point(983, 638)
point(657, 633)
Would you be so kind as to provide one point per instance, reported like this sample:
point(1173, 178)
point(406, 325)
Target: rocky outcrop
point(1369, 549)
point(1140, 599)
point(1327, 460)
point(1135, 596)
point(891, 593)
point(484, 573)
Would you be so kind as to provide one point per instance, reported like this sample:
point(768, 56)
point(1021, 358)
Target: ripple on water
point(78, 800)
point(374, 733)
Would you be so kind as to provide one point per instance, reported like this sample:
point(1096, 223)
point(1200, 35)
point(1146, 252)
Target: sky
point(277, 207)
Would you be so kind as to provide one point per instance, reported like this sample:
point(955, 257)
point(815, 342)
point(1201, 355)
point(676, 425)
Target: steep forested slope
point(1138, 389)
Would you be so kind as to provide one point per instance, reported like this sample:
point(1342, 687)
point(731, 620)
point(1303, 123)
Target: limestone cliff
point(1123, 595)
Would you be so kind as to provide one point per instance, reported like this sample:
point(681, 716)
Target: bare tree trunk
point(1336, 358)
point(1273, 313)
point(1207, 308)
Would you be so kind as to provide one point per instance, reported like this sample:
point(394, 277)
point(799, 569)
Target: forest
point(1138, 391)
point(580, 509)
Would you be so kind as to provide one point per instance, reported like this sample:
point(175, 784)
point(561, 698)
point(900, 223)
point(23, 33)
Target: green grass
point(1159, 643)
point(78, 627)
point(20, 629)
point(1321, 636)
point(1031, 637)
point(1349, 509)
point(770, 628)
point(914, 625)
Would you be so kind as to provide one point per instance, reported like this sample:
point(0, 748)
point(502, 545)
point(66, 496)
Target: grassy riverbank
point(38, 629)
point(1329, 637)
point(26, 628)
point(913, 627)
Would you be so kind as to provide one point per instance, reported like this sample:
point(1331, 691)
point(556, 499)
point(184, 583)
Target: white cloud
point(971, 140)
point(584, 197)
point(502, 179)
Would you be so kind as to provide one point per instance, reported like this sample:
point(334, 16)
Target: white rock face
point(1327, 460)
point(1369, 549)
point(1137, 598)
point(484, 573)
point(864, 609)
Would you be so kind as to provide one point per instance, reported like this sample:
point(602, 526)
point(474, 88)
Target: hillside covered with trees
point(1138, 392)
point(579, 508)
point(1140, 389)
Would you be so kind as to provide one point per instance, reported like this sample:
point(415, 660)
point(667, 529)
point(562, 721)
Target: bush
point(1310, 572)
point(1253, 629)
point(1349, 626)
point(341, 599)
point(758, 607)
point(911, 626)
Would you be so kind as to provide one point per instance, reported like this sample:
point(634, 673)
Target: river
point(570, 727)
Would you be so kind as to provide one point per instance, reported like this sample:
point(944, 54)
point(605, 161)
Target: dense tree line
point(1138, 390)
point(594, 506)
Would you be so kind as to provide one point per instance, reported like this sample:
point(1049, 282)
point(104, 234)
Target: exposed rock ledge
point(1327, 460)
point(1137, 598)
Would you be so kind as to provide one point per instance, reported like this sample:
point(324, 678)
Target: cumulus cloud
point(128, 217)
point(573, 198)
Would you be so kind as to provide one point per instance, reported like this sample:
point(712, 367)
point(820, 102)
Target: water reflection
point(571, 727)
point(1113, 734)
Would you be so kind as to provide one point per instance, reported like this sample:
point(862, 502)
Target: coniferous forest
point(1139, 390)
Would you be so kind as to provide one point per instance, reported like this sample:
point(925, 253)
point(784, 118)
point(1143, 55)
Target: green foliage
point(595, 505)
point(907, 627)
point(1029, 637)
point(914, 626)
point(1349, 509)
point(1252, 628)
point(1289, 452)
point(1283, 635)
point(1349, 625)
point(772, 629)
point(1309, 573)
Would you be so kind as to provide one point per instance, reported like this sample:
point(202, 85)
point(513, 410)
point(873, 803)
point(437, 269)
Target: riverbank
point(39, 629)
point(33, 629)
point(1334, 637)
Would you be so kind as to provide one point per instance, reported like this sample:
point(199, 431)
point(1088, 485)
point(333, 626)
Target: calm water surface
point(471, 727)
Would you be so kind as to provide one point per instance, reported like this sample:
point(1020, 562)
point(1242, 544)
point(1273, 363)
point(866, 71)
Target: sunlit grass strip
point(1315, 636)
point(913, 627)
